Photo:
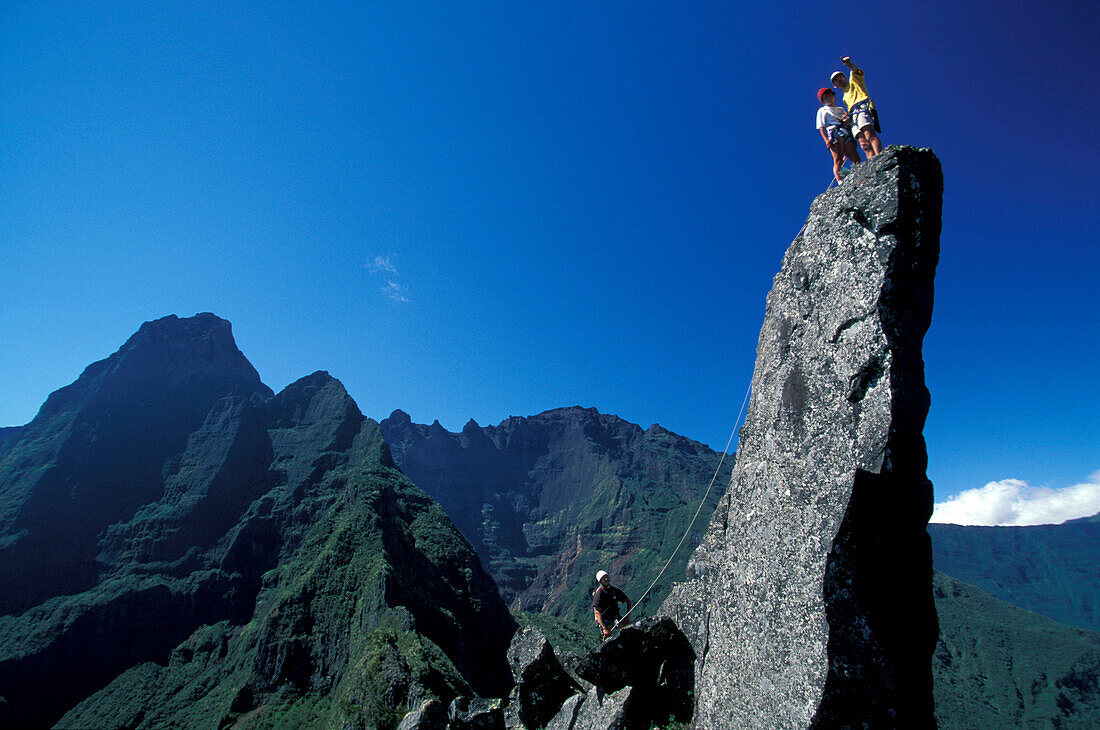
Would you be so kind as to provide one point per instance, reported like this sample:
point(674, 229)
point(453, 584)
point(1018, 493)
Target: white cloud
point(1015, 502)
point(383, 264)
point(396, 292)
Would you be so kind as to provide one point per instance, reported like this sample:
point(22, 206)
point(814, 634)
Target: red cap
point(821, 92)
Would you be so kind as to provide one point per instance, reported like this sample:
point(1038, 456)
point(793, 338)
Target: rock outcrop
point(640, 678)
point(542, 682)
point(547, 500)
point(809, 601)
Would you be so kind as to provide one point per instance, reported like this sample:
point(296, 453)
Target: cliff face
point(185, 549)
point(810, 597)
point(548, 500)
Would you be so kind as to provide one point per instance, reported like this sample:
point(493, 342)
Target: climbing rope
point(710, 486)
point(703, 501)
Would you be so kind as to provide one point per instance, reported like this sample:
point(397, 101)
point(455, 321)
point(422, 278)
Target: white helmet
point(600, 575)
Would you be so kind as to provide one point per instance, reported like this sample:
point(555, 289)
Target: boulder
point(567, 716)
point(655, 661)
point(542, 684)
point(606, 711)
point(474, 713)
point(809, 600)
point(432, 715)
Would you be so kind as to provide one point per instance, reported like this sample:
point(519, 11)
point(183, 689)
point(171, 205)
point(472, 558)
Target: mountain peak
point(174, 350)
point(399, 417)
point(166, 461)
point(572, 411)
point(203, 322)
point(111, 420)
point(315, 399)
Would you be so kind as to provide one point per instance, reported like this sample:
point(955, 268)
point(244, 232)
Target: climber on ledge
point(860, 107)
point(832, 122)
point(605, 604)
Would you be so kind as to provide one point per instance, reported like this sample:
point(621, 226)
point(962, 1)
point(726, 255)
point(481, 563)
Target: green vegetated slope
point(548, 500)
point(247, 559)
point(998, 666)
point(1050, 569)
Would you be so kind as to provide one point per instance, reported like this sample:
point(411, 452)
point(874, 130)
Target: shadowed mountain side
point(1050, 569)
point(59, 486)
point(1000, 666)
point(281, 567)
point(549, 499)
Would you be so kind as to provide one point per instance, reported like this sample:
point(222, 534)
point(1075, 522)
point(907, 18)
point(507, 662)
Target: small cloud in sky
point(383, 264)
point(1014, 502)
point(396, 291)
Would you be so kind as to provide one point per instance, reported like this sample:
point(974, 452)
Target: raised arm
point(847, 61)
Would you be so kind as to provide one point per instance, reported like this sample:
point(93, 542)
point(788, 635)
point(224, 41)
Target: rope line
point(717, 471)
point(703, 501)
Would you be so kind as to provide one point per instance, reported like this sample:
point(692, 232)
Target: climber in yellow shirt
point(860, 107)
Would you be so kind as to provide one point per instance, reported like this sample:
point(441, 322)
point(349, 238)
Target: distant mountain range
point(1049, 569)
point(180, 546)
point(550, 499)
point(996, 664)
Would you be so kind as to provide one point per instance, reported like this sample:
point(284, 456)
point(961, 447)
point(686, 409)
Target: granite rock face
point(809, 600)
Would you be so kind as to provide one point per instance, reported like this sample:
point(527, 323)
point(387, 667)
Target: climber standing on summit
point(605, 604)
point(861, 110)
point(832, 122)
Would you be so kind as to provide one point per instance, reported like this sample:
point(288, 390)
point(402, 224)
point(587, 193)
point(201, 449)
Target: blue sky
point(492, 209)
